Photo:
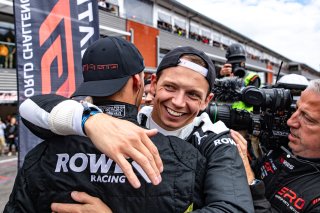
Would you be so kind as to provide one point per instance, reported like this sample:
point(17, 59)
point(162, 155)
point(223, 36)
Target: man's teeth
point(293, 135)
point(174, 113)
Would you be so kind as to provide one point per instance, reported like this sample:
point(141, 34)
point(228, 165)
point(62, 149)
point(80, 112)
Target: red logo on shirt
point(292, 197)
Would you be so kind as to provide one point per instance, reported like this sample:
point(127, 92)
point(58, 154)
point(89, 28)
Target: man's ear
point(137, 82)
point(207, 101)
point(153, 85)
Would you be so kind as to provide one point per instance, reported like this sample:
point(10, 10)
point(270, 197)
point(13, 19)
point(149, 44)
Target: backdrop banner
point(51, 37)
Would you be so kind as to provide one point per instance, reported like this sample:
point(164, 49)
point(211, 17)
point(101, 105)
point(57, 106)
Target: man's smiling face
point(180, 93)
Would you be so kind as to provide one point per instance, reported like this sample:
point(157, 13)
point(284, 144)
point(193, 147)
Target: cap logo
point(195, 67)
point(93, 67)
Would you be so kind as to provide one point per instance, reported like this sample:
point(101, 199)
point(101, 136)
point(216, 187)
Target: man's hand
point(120, 139)
point(88, 204)
point(226, 70)
point(242, 148)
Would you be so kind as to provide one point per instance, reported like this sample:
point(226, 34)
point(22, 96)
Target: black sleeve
point(21, 198)
point(260, 202)
point(225, 187)
point(39, 106)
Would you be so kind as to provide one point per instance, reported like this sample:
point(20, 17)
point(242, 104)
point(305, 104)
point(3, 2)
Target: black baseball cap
point(173, 59)
point(107, 65)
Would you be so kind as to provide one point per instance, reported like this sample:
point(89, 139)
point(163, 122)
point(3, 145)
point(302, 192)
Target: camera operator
point(235, 66)
point(290, 179)
point(236, 59)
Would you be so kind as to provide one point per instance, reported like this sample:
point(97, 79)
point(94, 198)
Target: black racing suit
point(225, 186)
point(292, 184)
point(225, 182)
point(62, 164)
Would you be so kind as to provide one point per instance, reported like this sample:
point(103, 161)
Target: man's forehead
point(180, 72)
point(172, 76)
point(310, 99)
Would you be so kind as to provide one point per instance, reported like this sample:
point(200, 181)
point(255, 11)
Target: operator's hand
point(242, 148)
point(88, 204)
point(120, 139)
point(226, 70)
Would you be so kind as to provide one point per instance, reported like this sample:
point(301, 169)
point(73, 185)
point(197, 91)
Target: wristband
point(87, 112)
point(254, 182)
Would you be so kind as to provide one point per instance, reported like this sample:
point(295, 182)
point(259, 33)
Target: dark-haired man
point(182, 88)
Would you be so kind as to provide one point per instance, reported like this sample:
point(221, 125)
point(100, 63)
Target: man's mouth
point(294, 135)
point(174, 113)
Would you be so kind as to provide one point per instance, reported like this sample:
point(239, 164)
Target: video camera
point(238, 68)
point(272, 107)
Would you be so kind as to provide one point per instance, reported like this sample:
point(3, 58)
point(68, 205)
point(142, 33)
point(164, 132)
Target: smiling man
point(182, 86)
point(181, 93)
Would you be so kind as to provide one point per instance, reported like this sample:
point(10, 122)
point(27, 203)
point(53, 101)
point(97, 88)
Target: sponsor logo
point(59, 14)
point(199, 137)
point(56, 37)
point(224, 141)
point(286, 163)
point(118, 111)
point(268, 167)
point(315, 201)
point(102, 168)
point(93, 67)
point(290, 198)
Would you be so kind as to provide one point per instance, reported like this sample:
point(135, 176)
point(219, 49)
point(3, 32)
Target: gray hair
point(314, 85)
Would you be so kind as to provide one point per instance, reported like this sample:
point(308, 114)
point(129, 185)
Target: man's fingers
point(128, 171)
point(154, 157)
point(65, 207)
point(151, 132)
point(240, 141)
point(147, 165)
point(240, 151)
point(146, 154)
point(83, 197)
point(237, 136)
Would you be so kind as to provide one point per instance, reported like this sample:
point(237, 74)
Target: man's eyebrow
point(195, 91)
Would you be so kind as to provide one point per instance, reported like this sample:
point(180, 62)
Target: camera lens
point(238, 69)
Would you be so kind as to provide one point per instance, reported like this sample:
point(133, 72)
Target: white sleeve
point(66, 118)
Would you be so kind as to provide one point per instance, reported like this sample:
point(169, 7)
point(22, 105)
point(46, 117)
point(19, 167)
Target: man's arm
point(225, 186)
point(257, 189)
point(53, 114)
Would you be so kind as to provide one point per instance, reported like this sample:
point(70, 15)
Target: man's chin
point(292, 146)
point(173, 127)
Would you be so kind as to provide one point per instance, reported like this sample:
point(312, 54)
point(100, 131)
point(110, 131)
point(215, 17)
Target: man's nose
point(294, 120)
point(149, 97)
point(179, 99)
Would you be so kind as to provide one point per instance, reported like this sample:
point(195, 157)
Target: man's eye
point(308, 119)
point(169, 87)
point(194, 96)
